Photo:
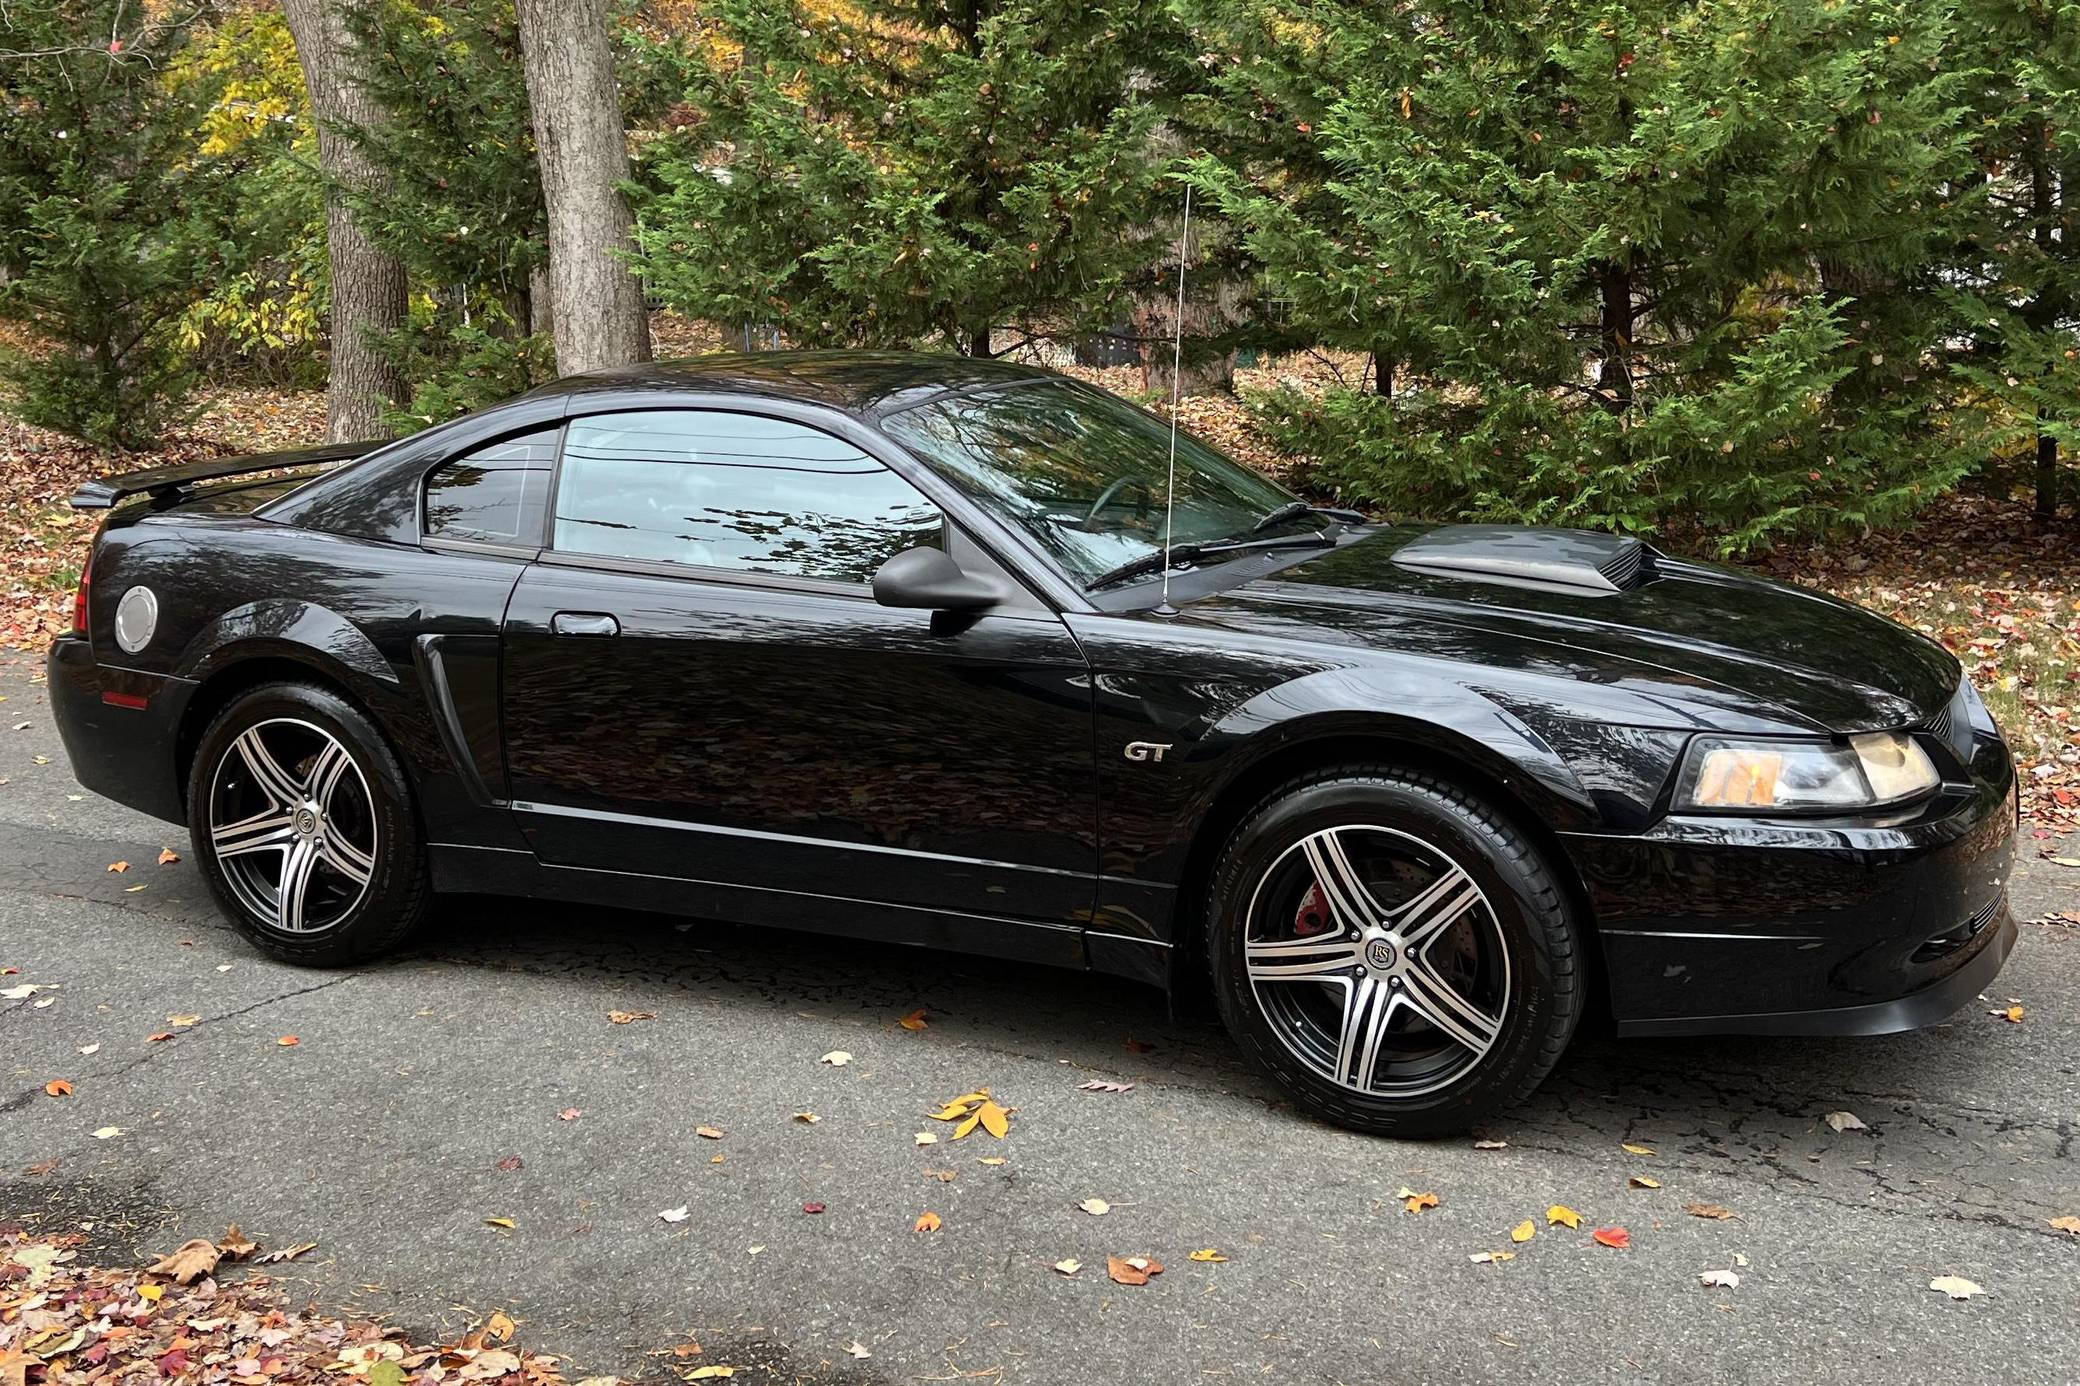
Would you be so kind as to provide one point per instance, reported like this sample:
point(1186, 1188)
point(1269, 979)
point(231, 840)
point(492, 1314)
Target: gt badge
point(1146, 750)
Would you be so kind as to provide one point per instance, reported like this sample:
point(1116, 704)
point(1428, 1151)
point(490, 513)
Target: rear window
point(495, 495)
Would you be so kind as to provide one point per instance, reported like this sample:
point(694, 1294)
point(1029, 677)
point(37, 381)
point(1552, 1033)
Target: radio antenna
point(1184, 241)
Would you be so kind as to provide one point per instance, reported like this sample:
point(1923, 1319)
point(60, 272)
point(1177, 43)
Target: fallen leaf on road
point(991, 1160)
point(1846, 1121)
point(235, 1245)
point(630, 1017)
point(1135, 1046)
point(1719, 1280)
point(119, 866)
point(1206, 1253)
point(1096, 1207)
point(1416, 1202)
point(837, 1058)
point(678, 1214)
point(807, 1118)
point(1491, 1145)
point(1133, 1270)
point(914, 1021)
point(1102, 1085)
point(1482, 1258)
point(2071, 1225)
point(182, 1022)
point(502, 1224)
point(812, 1208)
point(287, 1253)
point(1068, 1266)
point(926, 1138)
point(711, 1373)
point(105, 1132)
point(510, 1163)
point(1523, 1231)
point(167, 856)
point(944, 1176)
point(859, 1350)
point(1955, 1286)
point(708, 1133)
point(1631, 1149)
point(193, 1258)
point(1616, 1238)
point(2012, 1014)
point(569, 1114)
point(160, 1038)
point(1640, 1181)
point(288, 1041)
point(90, 1049)
point(23, 992)
point(926, 1222)
point(1708, 1210)
point(58, 1087)
point(994, 1119)
point(43, 1167)
point(499, 1327)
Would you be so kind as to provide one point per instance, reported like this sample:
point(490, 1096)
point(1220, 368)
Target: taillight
point(79, 602)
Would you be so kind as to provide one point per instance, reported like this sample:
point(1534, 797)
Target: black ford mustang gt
point(888, 645)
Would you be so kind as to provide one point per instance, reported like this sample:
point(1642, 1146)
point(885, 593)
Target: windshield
point(1082, 471)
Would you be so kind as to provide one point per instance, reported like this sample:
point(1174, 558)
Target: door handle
point(593, 623)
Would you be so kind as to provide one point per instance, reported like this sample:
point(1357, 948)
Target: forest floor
point(1976, 573)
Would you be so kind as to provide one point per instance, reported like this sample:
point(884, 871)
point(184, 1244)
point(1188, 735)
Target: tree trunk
point(368, 284)
point(541, 312)
point(1614, 376)
point(2047, 476)
point(1206, 314)
point(595, 303)
point(2045, 309)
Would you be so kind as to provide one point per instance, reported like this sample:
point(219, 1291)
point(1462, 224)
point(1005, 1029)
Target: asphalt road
point(380, 1133)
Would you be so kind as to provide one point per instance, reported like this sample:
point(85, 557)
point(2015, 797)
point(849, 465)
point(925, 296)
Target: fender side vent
point(1577, 561)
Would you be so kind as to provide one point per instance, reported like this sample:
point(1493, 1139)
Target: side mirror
point(930, 579)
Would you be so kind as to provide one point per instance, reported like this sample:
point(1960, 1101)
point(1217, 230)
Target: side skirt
point(504, 871)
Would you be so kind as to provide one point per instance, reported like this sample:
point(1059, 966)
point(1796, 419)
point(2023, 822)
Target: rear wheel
point(300, 816)
point(1393, 951)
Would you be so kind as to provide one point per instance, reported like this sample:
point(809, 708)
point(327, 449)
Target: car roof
point(862, 383)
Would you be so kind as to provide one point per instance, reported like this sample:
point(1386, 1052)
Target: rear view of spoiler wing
point(163, 481)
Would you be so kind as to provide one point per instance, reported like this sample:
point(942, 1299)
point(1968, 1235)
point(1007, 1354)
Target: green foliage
point(1627, 264)
point(904, 172)
point(110, 216)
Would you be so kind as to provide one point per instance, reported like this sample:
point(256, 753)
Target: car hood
point(1687, 636)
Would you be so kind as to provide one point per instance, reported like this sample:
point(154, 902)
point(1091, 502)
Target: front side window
point(495, 495)
point(1082, 471)
point(720, 490)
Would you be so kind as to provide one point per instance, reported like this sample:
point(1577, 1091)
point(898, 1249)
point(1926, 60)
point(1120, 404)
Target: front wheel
point(1393, 951)
point(301, 820)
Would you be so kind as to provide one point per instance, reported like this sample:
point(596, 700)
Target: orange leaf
point(1133, 1270)
point(1417, 1202)
point(160, 1038)
point(913, 1021)
point(167, 856)
point(1615, 1237)
point(1708, 1210)
point(58, 1087)
point(119, 866)
point(288, 1041)
point(926, 1222)
point(191, 1259)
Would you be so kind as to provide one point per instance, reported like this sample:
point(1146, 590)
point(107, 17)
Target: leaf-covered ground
point(1977, 574)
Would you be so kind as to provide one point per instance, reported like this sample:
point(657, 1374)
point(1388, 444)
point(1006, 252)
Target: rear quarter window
point(496, 495)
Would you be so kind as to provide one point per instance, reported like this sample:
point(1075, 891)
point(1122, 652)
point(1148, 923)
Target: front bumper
point(1749, 926)
point(119, 749)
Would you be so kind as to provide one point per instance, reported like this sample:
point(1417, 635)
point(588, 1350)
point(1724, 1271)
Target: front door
point(699, 685)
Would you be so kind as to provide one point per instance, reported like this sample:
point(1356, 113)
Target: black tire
point(1515, 945)
point(374, 830)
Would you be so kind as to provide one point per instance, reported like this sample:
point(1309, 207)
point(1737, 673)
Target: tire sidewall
point(387, 907)
point(1523, 905)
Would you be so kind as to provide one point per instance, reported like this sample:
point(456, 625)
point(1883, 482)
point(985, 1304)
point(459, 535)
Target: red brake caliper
point(1313, 915)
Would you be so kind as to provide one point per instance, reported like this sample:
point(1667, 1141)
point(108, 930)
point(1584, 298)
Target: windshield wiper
point(1156, 560)
point(1293, 510)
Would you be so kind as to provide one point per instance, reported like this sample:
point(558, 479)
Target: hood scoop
point(1580, 562)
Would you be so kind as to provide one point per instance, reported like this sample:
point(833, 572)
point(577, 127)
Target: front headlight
point(1804, 776)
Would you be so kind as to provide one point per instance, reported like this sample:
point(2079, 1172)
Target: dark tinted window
point(494, 495)
point(722, 490)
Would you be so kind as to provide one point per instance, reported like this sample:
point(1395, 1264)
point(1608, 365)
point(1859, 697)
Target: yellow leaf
point(499, 1327)
point(926, 1222)
point(992, 1160)
point(994, 1119)
point(711, 1373)
point(2013, 1015)
point(965, 1127)
point(150, 1293)
point(2071, 1225)
point(807, 1118)
point(1206, 1254)
point(969, 1099)
point(1417, 1202)
point(1483, 1257)
point(500, 1222)
point(182, 1022)
point(950, 1111)
point(1523, 1231)
point(1563, 1215)
point(119, 866)
point(1640, 1181)
point(1631, 1149)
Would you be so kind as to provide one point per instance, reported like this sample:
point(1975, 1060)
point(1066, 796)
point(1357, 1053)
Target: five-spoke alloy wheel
point(299, 814)
point(1393, 950)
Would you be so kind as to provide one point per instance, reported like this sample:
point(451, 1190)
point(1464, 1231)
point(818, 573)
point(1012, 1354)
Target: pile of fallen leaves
point(184, 1318)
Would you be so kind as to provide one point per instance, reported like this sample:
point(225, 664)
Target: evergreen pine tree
point(1628, 253)
point(904, 172)
point(110, 218)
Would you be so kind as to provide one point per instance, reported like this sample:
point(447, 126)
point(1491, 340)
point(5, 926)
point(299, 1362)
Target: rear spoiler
point(165, 481)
